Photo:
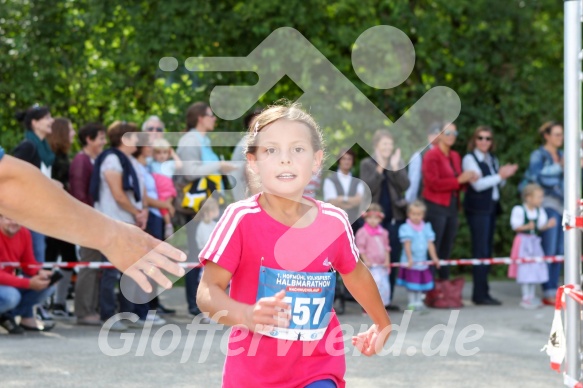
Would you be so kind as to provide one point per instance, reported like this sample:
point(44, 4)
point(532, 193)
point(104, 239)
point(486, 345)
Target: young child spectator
point(417, 237)
point(528, 220)
point(372, 241)
point(163, 169)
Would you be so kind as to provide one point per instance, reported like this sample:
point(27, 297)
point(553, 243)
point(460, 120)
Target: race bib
point(310, 296)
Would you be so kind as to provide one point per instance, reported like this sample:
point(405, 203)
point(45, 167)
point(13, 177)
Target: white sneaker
point(117, 326)
point(529, 304)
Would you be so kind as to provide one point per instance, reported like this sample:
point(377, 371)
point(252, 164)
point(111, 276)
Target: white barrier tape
point(450, 263)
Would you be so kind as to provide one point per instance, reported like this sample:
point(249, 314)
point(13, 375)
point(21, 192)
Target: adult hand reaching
point(126, 246)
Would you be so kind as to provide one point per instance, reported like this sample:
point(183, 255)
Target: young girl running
point(372, 241)
point(276, 249)
point(417, 238)
point(528, 220)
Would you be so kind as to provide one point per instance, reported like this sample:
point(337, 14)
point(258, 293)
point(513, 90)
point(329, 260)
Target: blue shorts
point(322, 384)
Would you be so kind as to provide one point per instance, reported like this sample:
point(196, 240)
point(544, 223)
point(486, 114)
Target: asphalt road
point(483, 347)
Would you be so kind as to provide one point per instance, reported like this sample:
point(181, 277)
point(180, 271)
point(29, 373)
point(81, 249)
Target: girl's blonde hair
point(530, 189)
point(161, 145)
point(374, 208)
point(208, 205)
point(284, 111)
point(417, 204)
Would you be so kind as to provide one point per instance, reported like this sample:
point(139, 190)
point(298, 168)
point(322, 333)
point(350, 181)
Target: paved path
point(507, 354)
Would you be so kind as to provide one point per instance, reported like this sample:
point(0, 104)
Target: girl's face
point(373, 220)
point(416, 215)
point(535, 199)
point(285, 159)
point(449, 135)
point(384, 147)
point(555, 138)
point(161, 155)
point(484, 141)
point(43, 126)
point(213, 213)
point(97, 144)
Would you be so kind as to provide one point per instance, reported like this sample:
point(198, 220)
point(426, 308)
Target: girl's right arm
point(213, 300)
point(408, 253)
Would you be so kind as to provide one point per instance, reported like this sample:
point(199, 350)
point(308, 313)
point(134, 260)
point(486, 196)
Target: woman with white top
point(482, 204)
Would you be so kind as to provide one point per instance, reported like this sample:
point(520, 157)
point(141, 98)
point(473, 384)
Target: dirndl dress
point(526, 246)
point(380, 275)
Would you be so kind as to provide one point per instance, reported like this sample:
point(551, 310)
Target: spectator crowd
point(413, 218)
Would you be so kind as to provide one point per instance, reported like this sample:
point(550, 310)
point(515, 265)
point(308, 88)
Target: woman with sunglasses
point(443, 180)
point(482, 205)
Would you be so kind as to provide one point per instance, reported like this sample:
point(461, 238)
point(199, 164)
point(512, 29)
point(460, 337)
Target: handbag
point(446, 294)
point(195, 192)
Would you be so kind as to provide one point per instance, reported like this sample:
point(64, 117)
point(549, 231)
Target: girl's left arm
point(362, 286)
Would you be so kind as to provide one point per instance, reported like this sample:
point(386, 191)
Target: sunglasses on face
point(449, 132)
point(155, 129)
point(210, 114)
point(487, 138)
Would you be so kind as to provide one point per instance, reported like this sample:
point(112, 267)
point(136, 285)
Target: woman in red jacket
point(442, 182)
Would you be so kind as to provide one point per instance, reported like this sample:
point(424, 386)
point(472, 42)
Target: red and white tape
point(451, 263)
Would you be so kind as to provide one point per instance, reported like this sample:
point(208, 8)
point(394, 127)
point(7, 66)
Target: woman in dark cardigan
point(60, 140)
point(482, 205)
point(387, 179)
point(34, 149)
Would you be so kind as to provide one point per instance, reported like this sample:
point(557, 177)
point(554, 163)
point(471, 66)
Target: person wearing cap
point(414, 167)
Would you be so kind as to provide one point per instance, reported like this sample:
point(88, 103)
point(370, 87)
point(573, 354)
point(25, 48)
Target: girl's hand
point(410, 264)
point(170, 207)
point(436, 261)
point(371, 341)
point(267, 313)
point(551, 224)
point(531, 225)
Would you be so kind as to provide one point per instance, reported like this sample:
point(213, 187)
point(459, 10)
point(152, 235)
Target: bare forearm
point(21, 186)
point(214, 301)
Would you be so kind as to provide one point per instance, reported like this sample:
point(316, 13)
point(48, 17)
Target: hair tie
point(374, 213)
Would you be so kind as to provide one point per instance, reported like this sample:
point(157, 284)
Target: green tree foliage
point(97, 60)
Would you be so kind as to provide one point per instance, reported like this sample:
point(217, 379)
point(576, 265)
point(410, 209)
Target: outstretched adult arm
point(34, 201)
